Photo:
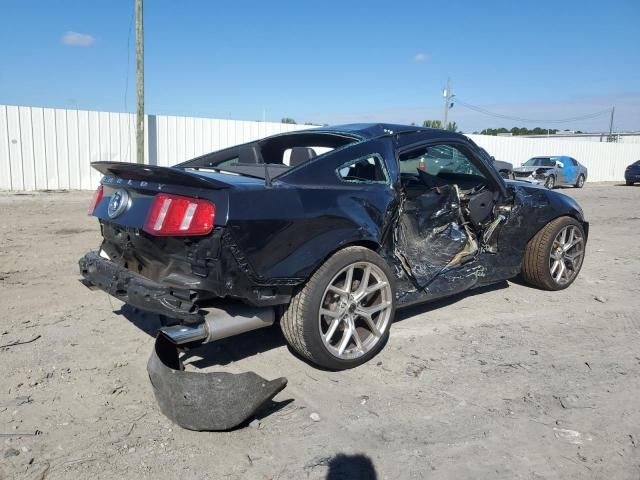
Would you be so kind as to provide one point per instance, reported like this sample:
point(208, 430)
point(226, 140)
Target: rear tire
point(629, 183)
point(580, 181)
point(326, 312)
point(552, 261)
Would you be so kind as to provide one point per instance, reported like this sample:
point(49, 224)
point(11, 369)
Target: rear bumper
point(196, 401)
point(136, 290)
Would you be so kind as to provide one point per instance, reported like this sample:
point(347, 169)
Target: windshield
point(540, 162)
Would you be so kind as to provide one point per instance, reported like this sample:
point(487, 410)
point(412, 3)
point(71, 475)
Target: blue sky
point(330, 61)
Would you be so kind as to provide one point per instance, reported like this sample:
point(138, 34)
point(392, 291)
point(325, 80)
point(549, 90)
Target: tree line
point(521, 131)
point(453, 127)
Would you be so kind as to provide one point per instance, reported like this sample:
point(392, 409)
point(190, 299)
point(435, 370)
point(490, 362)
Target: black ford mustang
point(327, 231)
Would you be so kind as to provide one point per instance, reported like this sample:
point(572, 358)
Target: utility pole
point(447, 97)
point(613, 111)
point(139, 83)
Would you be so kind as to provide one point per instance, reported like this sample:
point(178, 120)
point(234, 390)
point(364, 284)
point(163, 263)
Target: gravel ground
point(507, 382)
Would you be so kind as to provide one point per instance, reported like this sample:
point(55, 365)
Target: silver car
point(552, 171)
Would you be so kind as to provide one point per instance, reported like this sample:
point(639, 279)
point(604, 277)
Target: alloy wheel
point(355, 311)
point(567, 253)
point(550, 183)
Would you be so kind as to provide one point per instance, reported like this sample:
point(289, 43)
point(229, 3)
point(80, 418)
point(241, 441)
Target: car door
point(433, 233)
point(565, 170)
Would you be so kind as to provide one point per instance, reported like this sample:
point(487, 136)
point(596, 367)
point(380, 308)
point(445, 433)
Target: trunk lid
point(136, 185)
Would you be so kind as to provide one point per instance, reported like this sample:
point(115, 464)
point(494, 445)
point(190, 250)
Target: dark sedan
point(632, 173)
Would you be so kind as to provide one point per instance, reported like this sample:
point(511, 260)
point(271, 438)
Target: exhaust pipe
point(221, 323)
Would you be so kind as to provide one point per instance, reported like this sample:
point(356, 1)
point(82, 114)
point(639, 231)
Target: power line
point(529, 120)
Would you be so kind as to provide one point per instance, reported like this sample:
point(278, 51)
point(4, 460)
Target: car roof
point(368, 131)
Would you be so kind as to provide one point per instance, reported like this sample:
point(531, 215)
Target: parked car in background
point(505, 169)
point(552, 172)
point(632, 173)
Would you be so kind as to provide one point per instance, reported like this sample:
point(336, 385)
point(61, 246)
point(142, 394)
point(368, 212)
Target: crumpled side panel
point(428, 235)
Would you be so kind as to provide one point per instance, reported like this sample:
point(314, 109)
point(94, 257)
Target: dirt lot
point(509, 382)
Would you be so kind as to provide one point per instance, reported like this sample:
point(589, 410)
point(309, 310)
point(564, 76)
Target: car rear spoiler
point(155, 174)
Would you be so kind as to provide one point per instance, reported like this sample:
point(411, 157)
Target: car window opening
point(368, 169)
point(272, 156)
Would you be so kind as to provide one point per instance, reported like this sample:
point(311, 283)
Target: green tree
point(452, 126)
point(288, 120)
point(432, 124)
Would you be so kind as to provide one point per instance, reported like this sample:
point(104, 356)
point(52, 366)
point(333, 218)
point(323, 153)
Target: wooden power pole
point(613, 111)
point(139, 83)
point(447, 97)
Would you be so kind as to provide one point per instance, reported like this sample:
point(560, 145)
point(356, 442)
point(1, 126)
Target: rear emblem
point(119, 202)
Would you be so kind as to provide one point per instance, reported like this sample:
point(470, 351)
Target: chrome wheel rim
point(550, 183)
point(567, 253)
point(355, 311)
point(580, 181)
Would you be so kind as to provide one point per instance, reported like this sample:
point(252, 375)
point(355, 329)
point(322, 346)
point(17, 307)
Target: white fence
point(605, 161)
point(50, 149)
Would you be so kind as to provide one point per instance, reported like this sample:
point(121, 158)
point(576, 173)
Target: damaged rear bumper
point(211, 401)
point(137, 290)
point(206, 401)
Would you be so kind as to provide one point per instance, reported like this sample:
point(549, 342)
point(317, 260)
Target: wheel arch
point(573, 213)
point(364, 242)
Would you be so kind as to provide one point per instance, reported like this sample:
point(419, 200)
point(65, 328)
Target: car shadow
point(228, 350)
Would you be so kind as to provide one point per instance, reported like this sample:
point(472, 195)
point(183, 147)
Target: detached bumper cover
point(137, 290)
point(206, 401)
point(196, 401)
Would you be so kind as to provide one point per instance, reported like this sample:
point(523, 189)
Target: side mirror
point(559, 164)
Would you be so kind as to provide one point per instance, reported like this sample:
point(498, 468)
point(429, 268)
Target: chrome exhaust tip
point(183, 334)
point(220, 323)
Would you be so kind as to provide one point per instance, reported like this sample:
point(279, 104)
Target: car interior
point(428, 172)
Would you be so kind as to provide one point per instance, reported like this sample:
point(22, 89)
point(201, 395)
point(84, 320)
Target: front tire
point(629, 183)
point(550, 183)
point(341, 317)
point(554, 256)
point(580, 181)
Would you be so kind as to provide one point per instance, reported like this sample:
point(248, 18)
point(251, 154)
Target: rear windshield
point(540, 162)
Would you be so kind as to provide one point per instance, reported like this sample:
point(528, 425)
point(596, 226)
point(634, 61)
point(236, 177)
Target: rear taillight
point(97, 196)
point(177, 215)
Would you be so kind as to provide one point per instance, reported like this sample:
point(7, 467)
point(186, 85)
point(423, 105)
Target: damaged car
point(552, 172)
point(327, 231)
